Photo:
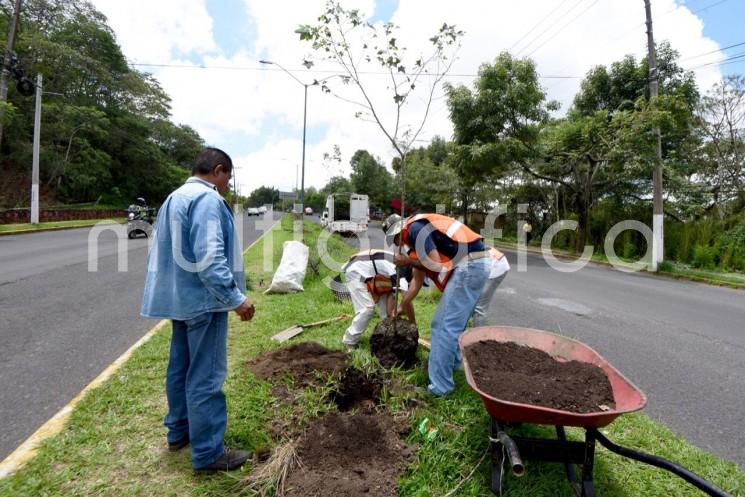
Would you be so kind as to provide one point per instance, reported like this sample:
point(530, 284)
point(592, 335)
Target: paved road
point(682, 343)
point(61, 325)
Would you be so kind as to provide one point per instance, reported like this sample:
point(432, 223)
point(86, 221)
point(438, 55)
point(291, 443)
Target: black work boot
point(228, 461)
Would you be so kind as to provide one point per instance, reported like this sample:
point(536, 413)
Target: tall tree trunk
point(4, 76)
point(583, 213)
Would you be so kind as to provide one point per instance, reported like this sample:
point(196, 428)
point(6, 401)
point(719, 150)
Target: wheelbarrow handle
point(513, 453)
point(692, 478)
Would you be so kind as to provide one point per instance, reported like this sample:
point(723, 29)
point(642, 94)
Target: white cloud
point(150, 31)
point(233, 107)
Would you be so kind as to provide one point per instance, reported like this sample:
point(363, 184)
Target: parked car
point(308, 211)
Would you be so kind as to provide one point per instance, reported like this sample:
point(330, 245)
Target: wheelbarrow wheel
point(497, 469)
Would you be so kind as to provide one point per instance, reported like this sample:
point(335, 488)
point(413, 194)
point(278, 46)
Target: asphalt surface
point(61, 324)
point(681, 343)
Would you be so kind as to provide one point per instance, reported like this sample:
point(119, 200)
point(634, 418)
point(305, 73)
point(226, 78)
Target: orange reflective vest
point(379, 284)
point(453, 229)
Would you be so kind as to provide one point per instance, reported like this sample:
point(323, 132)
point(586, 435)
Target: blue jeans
point(197, 367)
point(450, 320)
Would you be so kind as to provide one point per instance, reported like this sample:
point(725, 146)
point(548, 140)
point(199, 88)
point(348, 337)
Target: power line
point(641, 25)
point(714, 51)
point(732, 62)
point(564, 26)
point(548, 28)
point(315, 71)
point(728, 60)
point(708, 6)
point(537, 24)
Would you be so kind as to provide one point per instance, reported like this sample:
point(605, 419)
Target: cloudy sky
point(206, 55)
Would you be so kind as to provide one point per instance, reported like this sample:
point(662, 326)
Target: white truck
point(346, 213)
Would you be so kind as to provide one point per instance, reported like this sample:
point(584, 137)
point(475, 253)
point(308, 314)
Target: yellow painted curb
point(27, 450)
point(58, 228)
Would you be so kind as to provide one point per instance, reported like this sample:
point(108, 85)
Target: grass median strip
point(115, 445)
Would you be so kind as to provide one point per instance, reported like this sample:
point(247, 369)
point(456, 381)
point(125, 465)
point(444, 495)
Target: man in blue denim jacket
point(195, 276)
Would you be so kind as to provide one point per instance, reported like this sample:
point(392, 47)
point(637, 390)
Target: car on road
point(252, 211)
point(308, 211)
point(262, 209)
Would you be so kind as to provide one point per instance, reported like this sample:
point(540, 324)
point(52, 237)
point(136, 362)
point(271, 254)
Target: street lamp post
point(305, 115)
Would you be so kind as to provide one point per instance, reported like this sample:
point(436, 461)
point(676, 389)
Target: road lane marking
point(567, 305)
point(27, 450)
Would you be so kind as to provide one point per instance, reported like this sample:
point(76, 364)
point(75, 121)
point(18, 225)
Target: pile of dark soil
point(306, 362)
point(350, 455)
point(395, 345)
point(357, 390)
point(517, 373)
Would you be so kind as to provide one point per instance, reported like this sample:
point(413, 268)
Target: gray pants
point(479, 313)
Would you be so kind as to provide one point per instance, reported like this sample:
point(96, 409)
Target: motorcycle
point(140, 219)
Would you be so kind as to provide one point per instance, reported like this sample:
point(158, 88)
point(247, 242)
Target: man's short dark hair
point(208, 159)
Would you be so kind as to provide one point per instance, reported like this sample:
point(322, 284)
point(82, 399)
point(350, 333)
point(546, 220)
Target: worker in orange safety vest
point(458, 261)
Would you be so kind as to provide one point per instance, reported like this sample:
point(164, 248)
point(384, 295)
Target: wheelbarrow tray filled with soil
point(626, 396)
point(575, 455)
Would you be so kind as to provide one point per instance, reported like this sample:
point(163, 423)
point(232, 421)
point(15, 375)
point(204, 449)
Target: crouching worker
point(457, 260)
point(499, 269)
point(371, 281)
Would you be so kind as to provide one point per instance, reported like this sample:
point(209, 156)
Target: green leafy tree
point(430, 181)
point(371, 178)
point(314, 199)
point(604, 146)
point(105, 126)
point(337, 184)
point(263, 195)
point(721, 117)
point(497, 124)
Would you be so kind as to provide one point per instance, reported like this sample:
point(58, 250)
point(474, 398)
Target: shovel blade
point(285, 335)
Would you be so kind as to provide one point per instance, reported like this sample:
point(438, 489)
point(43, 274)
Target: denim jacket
point(196, 261)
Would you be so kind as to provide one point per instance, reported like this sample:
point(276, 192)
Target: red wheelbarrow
point(627, 397)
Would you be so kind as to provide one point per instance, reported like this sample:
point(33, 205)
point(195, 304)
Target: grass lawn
point(80, 223)
point(114, 444)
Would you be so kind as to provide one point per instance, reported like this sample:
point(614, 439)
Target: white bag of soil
point(291, 271)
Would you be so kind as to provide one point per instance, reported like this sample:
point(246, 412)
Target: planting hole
point(357, 390)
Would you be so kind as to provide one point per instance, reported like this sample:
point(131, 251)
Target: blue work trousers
point(197, 367)
point(451, 318)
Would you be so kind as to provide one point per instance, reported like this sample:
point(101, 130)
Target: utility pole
point(302, 174)
point(657, 213)
point(6, 60)
point(37, 140)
